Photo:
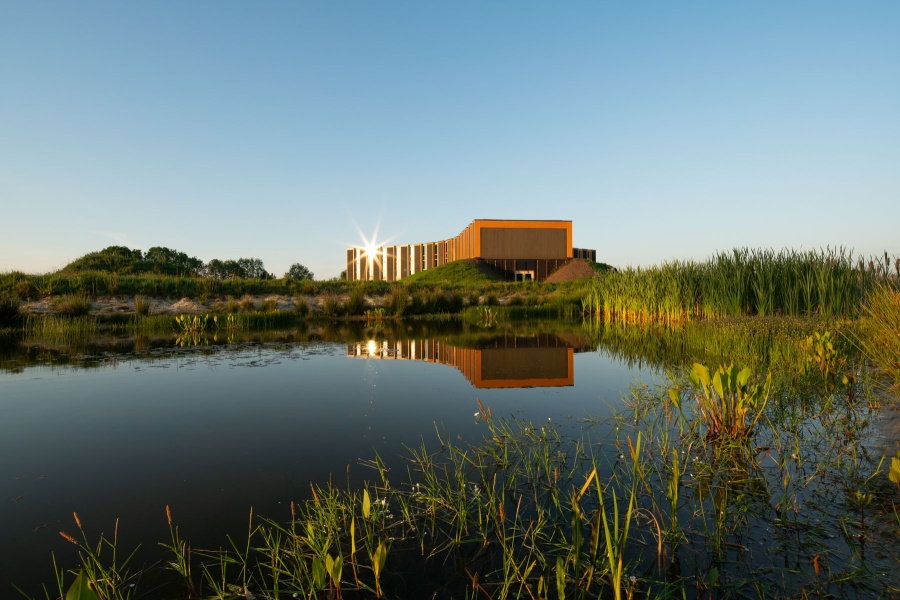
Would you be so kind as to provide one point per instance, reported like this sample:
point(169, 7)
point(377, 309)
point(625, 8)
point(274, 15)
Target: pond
point(120, 428)
point(112, 432)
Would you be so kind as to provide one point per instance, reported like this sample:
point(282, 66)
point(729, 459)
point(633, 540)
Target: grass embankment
point(446, 290)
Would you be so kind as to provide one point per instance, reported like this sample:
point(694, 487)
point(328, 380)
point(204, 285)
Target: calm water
point(110, 431)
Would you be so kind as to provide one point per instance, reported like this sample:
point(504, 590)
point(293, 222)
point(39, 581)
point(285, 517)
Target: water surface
point(110, 431)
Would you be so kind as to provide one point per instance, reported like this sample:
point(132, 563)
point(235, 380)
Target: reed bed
point(826, 282)
point(879, 331)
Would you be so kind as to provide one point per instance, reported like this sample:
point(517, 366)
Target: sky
point(285, 130)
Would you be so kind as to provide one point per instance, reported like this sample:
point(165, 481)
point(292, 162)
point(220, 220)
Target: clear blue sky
point(663, 130)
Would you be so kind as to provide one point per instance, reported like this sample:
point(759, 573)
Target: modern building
point(518, 250)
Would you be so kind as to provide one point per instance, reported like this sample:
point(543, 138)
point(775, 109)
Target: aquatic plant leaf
point(718, 385)
point(318, 573)
point(81, 589)
point(700, 375)
point(675, 397)
point(560, 577)
point(352, 537)
point(336, 569)
point(743, 377)
point(894, 473)
point(366, 504)
point(380, 558)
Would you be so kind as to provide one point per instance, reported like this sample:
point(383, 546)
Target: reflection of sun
point(371, 347)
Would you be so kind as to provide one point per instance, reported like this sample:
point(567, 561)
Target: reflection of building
point(519, 250)
point(503, 362)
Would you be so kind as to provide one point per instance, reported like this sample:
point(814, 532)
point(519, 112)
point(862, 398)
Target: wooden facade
point(517, 249)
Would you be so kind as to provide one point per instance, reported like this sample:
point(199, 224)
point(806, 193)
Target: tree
point(112, 259)
point(172, 262)
point(298, 272)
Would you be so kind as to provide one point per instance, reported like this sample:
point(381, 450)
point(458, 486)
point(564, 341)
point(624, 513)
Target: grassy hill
point(457, 273)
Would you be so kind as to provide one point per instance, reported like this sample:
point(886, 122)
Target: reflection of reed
point(762, 343)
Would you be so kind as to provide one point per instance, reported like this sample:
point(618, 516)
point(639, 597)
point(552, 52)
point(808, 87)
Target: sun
point(371, 246)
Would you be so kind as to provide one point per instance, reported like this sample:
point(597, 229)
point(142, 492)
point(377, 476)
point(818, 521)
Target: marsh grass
point(246, 304)
point(879, 331)
point(268, 305)
point(356, 303)
point(72, 305)
point(301, 306)
point(827, 282)
point(103, 573)
point(331, 306)
point(141, 306)
point(399, 300)
point(61, 329)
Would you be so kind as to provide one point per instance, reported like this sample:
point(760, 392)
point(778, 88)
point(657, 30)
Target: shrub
point(491, 300)
point(72, 305)
point(141, 306)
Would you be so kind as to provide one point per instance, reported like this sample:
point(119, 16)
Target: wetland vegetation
point(749, 462)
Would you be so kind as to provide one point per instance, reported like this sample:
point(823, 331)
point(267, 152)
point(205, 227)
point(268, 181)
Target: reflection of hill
point(539, 360)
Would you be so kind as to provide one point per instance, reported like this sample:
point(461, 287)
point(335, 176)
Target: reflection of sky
point(212, 436)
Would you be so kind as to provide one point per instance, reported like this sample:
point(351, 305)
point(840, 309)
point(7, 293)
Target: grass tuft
point(72, 305)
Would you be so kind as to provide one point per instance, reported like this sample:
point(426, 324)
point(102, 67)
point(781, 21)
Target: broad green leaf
point(744, 376)
point(81, 589)
point(700, 374)
point(675, 397)
point(717, 384)
point(367, 504)
point(336, 569)
point(380, 558)
point(318, 572)
point(894, 474)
